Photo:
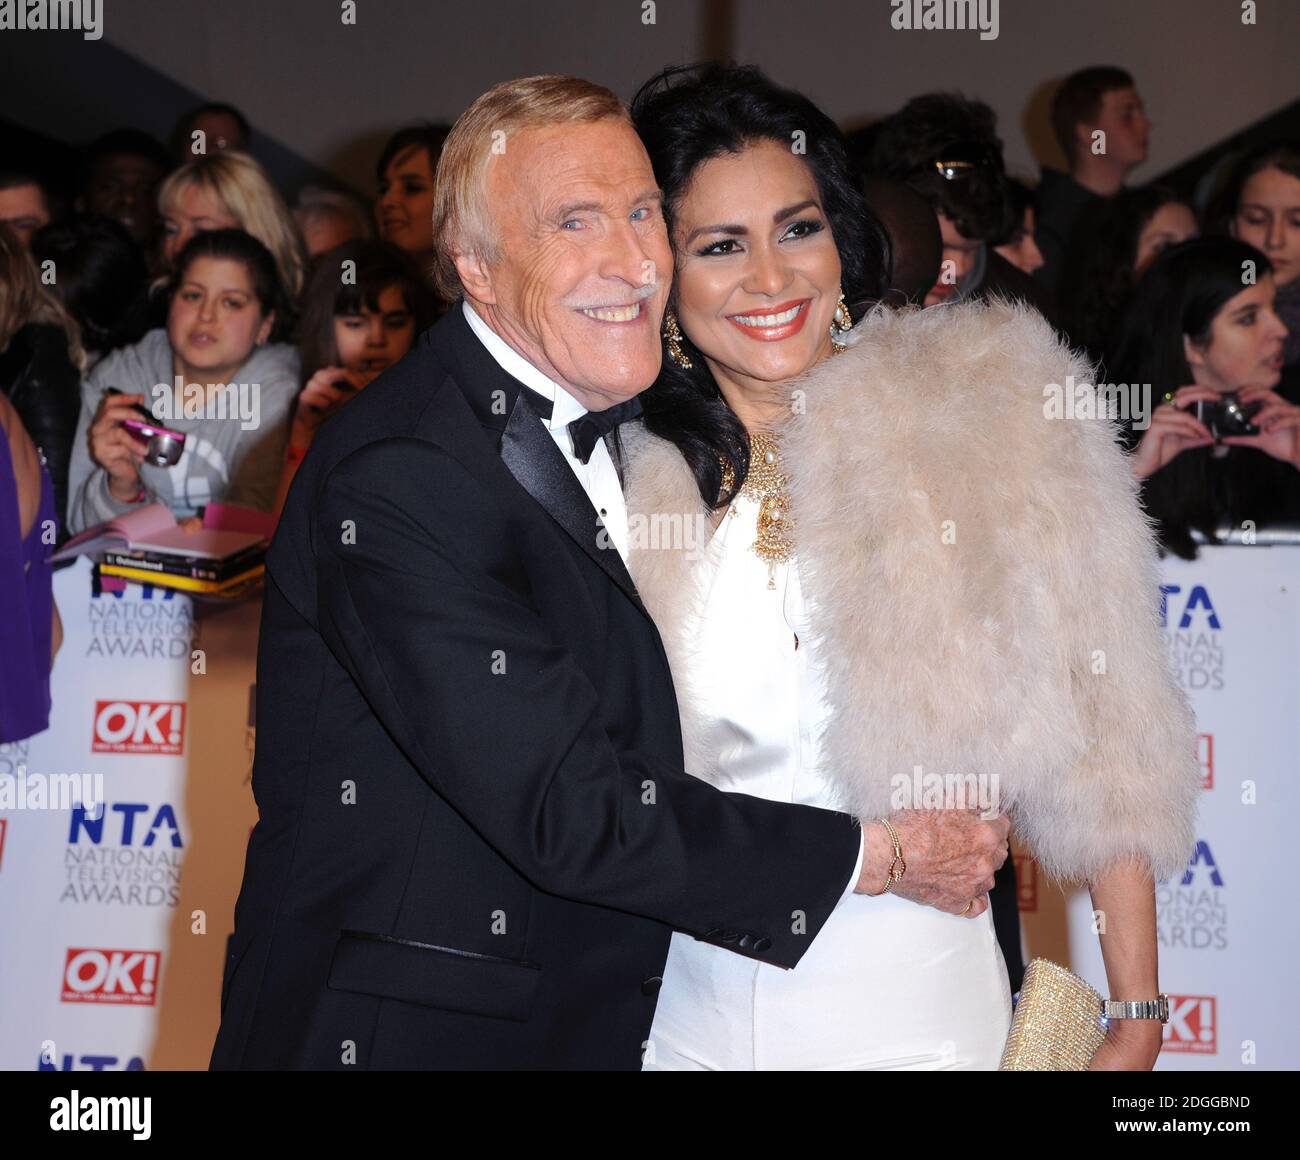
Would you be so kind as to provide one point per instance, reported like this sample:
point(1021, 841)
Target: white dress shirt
point(598, 476)
point(886, 983)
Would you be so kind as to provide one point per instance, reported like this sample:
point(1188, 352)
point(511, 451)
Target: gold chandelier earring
point(841, 324)
point(673, 336)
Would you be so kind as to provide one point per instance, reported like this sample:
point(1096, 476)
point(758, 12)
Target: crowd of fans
point(1190, 313)
point(184, 264)
point(189, 267)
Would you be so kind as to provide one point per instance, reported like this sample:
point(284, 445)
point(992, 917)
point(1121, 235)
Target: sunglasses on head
point(962, 159)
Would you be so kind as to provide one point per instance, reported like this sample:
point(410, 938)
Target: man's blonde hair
point(461, 218)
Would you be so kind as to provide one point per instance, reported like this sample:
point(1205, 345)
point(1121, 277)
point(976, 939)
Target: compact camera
point(1228, 415)
point(163, 447)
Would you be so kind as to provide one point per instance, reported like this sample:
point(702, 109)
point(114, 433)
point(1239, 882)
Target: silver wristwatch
point(1141, 1009)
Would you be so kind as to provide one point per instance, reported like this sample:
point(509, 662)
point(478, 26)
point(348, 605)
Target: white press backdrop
point(112, 930)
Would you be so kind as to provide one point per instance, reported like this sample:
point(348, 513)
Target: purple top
point(26, 608)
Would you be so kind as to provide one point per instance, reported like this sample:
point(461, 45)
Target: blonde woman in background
point(230, 190)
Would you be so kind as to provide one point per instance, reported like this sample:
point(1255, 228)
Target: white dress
point(886, 984)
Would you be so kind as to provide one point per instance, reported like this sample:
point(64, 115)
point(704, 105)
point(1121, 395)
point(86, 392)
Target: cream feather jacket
point(982, 580)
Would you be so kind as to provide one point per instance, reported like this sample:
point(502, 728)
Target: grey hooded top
point(234, 457)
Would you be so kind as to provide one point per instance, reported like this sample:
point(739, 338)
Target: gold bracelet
point(897, 867)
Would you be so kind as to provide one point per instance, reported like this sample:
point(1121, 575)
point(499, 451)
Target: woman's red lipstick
point(769, 324)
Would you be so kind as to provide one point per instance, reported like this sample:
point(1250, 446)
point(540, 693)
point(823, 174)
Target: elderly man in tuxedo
point(476, 835)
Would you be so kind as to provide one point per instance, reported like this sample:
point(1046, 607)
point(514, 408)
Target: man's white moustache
point(627, 299)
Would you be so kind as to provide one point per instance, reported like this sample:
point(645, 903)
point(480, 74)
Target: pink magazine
point(227, 529)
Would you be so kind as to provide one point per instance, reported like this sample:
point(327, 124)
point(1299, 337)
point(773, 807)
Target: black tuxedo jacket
point(475, 835)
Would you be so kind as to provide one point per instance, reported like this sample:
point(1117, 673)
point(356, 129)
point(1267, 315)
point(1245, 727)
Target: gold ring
point(968, 906)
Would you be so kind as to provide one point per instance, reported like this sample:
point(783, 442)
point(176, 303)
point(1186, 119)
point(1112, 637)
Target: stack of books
point(147, 546)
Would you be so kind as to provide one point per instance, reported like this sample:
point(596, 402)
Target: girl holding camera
point(225, 299)
point(364, 304)
point(1222, 447)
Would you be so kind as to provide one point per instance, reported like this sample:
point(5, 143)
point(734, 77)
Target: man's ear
point(1082, 142)
point(476, 276)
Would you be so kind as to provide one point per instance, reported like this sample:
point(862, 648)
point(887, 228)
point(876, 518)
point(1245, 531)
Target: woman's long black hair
point(686, 116)
point(1180, 294)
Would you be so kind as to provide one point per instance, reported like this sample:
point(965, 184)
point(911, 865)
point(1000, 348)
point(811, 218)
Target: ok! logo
point(139, 727)
point(1193, 1024)
point(97, 975)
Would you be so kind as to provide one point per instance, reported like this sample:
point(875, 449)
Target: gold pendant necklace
point(765, 485)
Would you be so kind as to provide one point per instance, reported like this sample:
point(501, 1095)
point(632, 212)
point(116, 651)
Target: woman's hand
point(113, 448)
point(1278, 422)
point(1172, 431)
point(319, 399)
point(1130, 1045)
point(1124, 895)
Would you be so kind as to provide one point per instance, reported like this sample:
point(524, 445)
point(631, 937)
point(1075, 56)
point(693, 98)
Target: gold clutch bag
point(1057, 1024)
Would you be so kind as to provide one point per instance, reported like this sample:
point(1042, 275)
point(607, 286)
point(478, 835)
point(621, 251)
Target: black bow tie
point(594, 425)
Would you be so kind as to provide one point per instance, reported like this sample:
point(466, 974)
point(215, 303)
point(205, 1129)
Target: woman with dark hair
point(1115, 240)
point(884, 565)
point(404, 208)
point(1203, 330)
point(100, 273)
point(946, 147)
point(686, 404)
point(215, 374)
point(364, 304)
point(1260, 205)
point(1019, 246)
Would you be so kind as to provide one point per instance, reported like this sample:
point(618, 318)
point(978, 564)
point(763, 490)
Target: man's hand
point(951, 858)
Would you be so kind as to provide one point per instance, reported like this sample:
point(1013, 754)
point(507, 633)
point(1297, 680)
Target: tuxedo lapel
point(530, 453)
point(505, 407)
